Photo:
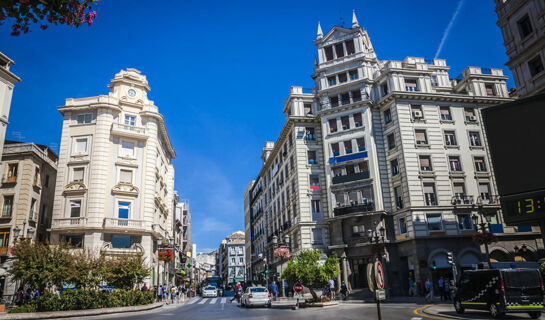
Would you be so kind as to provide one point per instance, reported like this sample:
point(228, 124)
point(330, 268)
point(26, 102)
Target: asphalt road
point(221, 308)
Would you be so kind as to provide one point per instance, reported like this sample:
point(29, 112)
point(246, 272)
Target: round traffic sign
point(298, 288)
point(379, 274)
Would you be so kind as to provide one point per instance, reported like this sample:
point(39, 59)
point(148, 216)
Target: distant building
point(7, 83)
point(184, 242)
point(115, 182)
point(26, 194)
point(523, 29)
point(232, 258)
point(247, 229)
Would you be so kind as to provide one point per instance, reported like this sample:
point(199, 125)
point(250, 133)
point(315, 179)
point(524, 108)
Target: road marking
point(223, 300)
point(416, 311)
point(213, 300)
point(193, 301)
point(203, 301)
point(415, 318)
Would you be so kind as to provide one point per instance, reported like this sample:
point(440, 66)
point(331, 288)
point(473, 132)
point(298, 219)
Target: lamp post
point(483, 227)
point(159, 242)
point(170, 262)
point(286, 245)
point(375, 239)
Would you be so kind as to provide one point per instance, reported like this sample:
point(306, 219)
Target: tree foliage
point(305, 269)
point(23, 13)
point(42, 266)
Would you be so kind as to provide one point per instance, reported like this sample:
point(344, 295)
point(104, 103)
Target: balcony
point(354, 208)
point(123, 223)
point(4, 251)
point(125, 130)
point(462, 200)
point(487, 199)
point(348, 157)
point(12, 179)
point(351, 177)
point(76, 222)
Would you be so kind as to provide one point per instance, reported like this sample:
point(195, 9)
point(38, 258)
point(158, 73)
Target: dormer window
point(411, 85)
point(353, 74)
point(350, 47)
point(332, 80)
point(308, 108)
point(342, 77)
point(130, 120)
point(339, 50)
point(490, 89)
point(328, 53)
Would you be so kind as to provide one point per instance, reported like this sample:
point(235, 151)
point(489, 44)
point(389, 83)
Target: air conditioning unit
point(417, 114)
point(472, 118)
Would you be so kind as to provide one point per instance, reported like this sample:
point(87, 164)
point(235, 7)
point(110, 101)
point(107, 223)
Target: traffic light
point(450, 258)
point(434, 265)
point(266, 271)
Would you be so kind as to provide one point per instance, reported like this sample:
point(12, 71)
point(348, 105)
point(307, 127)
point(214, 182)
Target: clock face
point(131, 92)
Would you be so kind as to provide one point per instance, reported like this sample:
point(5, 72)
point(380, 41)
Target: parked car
point(209, 292)
point(501, 291)
point(256, 296)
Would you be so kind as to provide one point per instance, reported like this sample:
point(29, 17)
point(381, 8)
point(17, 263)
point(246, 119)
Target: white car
point(209, 292)
point(256, 296)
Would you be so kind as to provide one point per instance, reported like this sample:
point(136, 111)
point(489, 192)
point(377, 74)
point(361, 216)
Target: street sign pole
point(298, 288)
point(379, 277)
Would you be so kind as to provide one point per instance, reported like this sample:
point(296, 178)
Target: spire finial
point(320, 34)
point(354, 19)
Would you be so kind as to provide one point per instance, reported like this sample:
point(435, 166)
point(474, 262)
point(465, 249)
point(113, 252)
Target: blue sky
point(220, 71)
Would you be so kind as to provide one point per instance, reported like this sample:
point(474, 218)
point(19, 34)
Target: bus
point(213, 281)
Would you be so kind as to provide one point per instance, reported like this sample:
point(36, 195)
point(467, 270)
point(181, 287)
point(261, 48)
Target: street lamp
point(286, 245)
point(483, 227)
point(159, 242)
point(377, 239)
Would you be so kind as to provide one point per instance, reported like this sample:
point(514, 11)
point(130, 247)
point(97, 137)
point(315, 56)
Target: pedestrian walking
point(411, 287)
point(165, 293)
point(331, 289)
point(173, 294)
point(144, 288)
point(441, 288)
point(344, 290)
point(446, 285)
point(428, 287)
point(274, 290)
point(286, 291)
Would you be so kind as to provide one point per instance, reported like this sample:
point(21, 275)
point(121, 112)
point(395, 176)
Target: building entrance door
point(359, 266)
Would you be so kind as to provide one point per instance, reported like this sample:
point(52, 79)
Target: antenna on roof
point(341, 18)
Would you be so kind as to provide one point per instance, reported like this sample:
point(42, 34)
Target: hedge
point(86, 299)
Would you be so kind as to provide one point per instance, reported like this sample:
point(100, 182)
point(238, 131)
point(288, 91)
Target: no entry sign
point(379, 275)
point(298, 288)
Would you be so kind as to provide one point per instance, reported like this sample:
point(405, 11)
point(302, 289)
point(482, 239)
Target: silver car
point(256, 296)
point(209, 291)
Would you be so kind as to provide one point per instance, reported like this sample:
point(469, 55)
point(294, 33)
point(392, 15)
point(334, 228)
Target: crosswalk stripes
point(203, 301)
point(193, 301)
point(223, 300)
point(207, 301)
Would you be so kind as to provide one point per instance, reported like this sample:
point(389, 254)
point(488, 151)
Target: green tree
point(87, 269)
point(125, 271)
point(305, 269)
point(25, 12)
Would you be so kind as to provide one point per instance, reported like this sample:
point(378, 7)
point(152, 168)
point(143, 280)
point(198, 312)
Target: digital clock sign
point(524, 207)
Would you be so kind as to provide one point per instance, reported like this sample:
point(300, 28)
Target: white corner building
point(115, 181)
point(7, 83)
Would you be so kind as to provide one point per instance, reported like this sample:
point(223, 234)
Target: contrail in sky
point(447, 30)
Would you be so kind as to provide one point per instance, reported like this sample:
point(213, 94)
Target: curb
point(79, 313)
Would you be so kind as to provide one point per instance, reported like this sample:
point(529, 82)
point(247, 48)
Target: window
point(464, 222)
point(410, 85)
point(311, 154)
point(434, 81)
point(421, 137)
point(524, 26)
point(81, 145)
point(356, 95)
point(308, 110)
point(241, 260)
point(470, 114)
point(316, 212)
point(47, 181)
point(535, 65)
point(339, 50)
point(363, 166)
point(127, 149)
point(232, 260)
point(7, 208)
point(125, 176)
point(84, 118)
point(459, 190)
point(130, 120)
point(345, 98)
point(353, 74)
point(332, 80)
point(328, 53)
point(425, 163)
point(416, 112)
point(78, 174)
point(387, 116)
point(394, 166)
point(314, 182)
point(450, 138)
point(345, 122)
point(123, 209)
point(398, 197)
point(75, 208)
point(435, 221)
point(121, 242)
point(358, 231)
point(445, 113)
point(357, 120)
point(12, 171)
point(454, 164)
point(490, 91)
point(317, 236)
point(384, 88)
point(347, 146)
point(74, 240)
point(4, 239)
point(350, 47)
point(332, 125)
point(361, 144)
point(484, 192)
point(480, 164)
point(335, 149)
point(391, 141)
point(342, 77)
point(337, 172)
point(36, 176)
point(339, 199)
point(350, 169)
point(402, 225)
point(429, 194)
point(475, 139)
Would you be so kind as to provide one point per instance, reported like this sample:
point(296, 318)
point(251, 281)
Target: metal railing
point(122, 223)
point(488, 199)
point(462, 200)
point(69, 222)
